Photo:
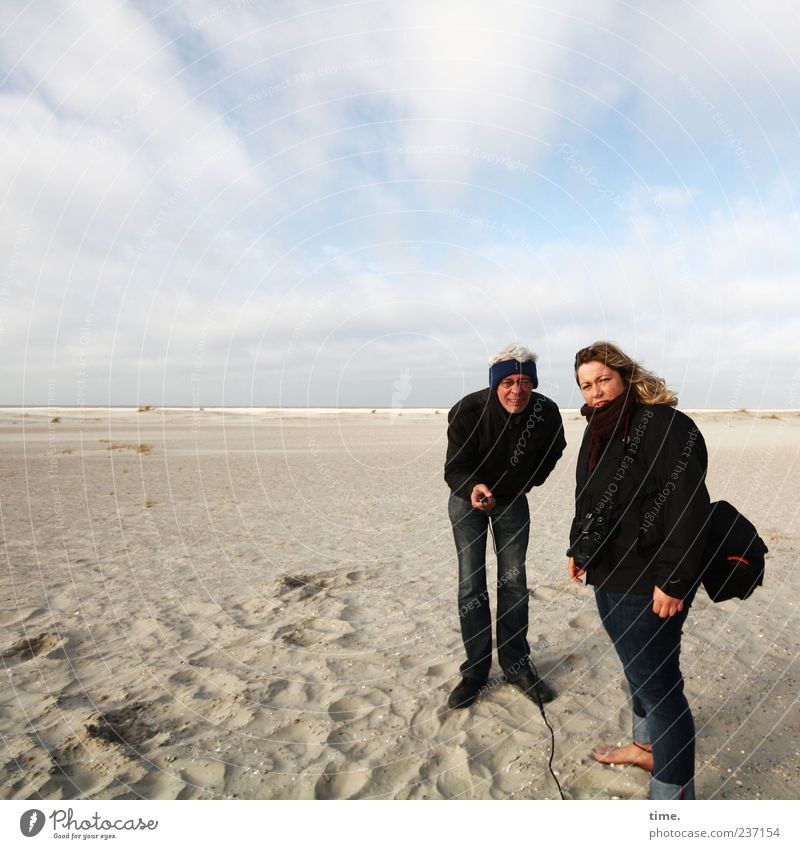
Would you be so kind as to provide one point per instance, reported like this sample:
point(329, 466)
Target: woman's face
point(599, 383)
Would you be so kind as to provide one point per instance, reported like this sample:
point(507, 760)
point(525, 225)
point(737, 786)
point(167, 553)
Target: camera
point(593, 533)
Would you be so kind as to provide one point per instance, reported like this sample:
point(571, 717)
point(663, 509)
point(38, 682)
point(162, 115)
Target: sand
point(261, 604)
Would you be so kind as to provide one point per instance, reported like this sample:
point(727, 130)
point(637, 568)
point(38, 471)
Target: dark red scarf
point(606, 422)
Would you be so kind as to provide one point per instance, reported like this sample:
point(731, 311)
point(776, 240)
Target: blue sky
point(260, 203)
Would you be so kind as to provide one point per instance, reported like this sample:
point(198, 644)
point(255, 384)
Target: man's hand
point(482, 498)
point(665, 605)
point(575, 571)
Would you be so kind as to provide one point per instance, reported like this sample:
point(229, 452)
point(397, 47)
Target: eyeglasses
point(524, 383)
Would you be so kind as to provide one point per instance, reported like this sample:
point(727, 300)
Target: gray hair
point(514, 351)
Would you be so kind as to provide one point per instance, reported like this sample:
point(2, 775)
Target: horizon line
point(152, 408)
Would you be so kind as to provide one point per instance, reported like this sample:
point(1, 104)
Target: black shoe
point(464, 694)
point(530, 683)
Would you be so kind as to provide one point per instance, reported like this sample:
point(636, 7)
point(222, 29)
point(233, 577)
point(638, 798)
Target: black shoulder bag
point(734, 554)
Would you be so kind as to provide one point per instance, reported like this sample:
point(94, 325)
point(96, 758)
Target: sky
point(357, 203)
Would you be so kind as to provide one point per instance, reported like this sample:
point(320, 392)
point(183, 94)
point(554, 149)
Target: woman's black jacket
point(651, 482)
point(509, 453)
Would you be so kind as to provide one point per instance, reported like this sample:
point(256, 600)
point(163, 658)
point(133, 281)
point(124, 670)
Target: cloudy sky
point(356, 203)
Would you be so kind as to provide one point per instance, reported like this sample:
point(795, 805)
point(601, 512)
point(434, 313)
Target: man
point(501, 441)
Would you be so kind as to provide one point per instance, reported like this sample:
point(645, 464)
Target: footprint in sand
point(296, 634)
point(589, 621)
point(105, 754)
point(29, 647)
point(340, 785)
point(543, 592)
point(16, 615)
point(355, 707)
point(576, 660)
point(313, 632)
point(306, 585)
point(355, 575)
point(441, 672)
point(348, 708)
point(130, 727)
point(355, 614)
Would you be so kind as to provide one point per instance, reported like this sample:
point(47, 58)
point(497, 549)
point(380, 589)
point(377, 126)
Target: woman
point(638, 534)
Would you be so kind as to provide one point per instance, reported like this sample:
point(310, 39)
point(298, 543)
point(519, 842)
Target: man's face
point(514, 392)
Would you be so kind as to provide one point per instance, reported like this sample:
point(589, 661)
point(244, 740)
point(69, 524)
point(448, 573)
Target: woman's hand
point(575, 571)
point(665, 605)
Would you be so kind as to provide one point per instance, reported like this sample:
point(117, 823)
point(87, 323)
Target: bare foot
point(636, 754)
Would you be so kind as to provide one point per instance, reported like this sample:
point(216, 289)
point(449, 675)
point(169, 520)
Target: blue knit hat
point(503, 369)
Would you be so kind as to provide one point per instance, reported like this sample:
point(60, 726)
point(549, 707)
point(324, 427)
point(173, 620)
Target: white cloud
point(247, 191)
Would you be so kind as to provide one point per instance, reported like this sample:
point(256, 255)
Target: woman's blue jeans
point(649, 648)
point(510, 524)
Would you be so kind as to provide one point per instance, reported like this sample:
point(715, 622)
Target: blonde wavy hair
point(649, 388)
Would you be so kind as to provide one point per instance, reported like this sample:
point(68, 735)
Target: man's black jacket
point(509, 453)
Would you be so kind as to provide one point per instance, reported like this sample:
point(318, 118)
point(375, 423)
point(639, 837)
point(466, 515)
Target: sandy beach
point(262, 604)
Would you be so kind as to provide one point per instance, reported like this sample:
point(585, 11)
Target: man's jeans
point(510, 524)
point(649, 648)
